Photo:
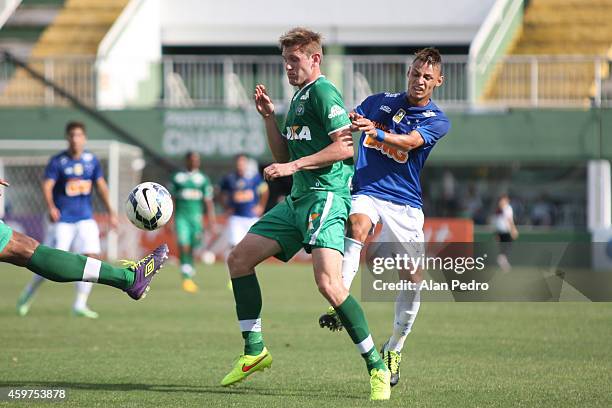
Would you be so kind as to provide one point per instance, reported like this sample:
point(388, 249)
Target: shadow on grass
point(170, 388)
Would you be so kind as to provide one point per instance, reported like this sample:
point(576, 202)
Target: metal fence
point(228, 81)
point(77, 75)
point(550, 81)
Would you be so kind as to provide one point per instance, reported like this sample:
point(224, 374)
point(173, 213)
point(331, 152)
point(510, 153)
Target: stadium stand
point(559, 35)
point(76, 31)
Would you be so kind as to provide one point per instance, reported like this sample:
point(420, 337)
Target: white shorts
point(81, 237)
point(238, 227)
point(400, 223)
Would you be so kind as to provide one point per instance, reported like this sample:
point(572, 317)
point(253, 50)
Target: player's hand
point(353, 116)
point(514, 233)
point(113, 220)
point(263, 103)
point(214, 229)
point(364, 125)
point(258, 210)
point(54, 214)
point(277, 170)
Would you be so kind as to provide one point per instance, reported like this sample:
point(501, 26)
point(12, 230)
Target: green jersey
point(316, 111)
point(189, 188)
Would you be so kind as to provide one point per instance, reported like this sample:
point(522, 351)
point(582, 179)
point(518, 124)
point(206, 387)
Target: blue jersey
point(74, 181)
point(242, 192)
point(384, 172)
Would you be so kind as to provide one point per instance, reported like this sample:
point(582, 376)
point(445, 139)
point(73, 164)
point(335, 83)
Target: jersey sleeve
point(52, 171)
point(207, 188)
point(433, 130)
point(331, 109)
point(364, 107)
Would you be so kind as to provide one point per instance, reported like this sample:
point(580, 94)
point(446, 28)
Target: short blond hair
point(308, 41)
point(429, 56)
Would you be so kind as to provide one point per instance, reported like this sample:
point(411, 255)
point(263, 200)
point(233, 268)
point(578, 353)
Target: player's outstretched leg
point(62, 266)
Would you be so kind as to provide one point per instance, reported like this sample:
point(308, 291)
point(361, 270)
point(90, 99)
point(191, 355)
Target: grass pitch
point(172, 349)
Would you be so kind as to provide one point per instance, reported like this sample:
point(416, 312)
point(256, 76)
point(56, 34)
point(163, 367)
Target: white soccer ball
point(149, 206)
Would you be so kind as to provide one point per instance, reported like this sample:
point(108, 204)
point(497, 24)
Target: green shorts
point(5, 235)
point(314, 220)
point(188, 229)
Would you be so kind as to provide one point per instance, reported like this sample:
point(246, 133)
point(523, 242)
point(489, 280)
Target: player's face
point(193, 162)
point(76, 140)
point(301, 68)
point(423, 78)
point(241, 165)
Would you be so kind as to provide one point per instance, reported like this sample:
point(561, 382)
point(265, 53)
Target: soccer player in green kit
point(190, 189)
point(316, 148)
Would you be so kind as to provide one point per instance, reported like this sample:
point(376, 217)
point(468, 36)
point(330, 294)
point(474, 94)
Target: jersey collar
point(299, 92)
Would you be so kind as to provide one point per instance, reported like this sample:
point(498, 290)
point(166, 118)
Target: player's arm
point(210, 210)
point(102, 188)
point(513, 230)
point(210, 206)
point(340, 149)
point(47, 189)
point(263, 192)
point(276, 141)
point(405, 142)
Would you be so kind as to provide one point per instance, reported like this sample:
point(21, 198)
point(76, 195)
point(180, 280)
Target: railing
point(550, 81)
point(76, 75)
point(200, 81)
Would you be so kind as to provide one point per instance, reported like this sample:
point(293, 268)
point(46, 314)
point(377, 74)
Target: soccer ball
point(149, 206)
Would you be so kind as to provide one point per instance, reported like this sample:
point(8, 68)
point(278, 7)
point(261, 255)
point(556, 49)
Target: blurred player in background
point(191, 189)
point(399, 132)
point(70, 177)
point(316, 148)
point(506, 230)
point(61, 266)
point(244, 195)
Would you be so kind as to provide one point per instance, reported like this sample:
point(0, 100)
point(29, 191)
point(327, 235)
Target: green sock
point(62, 266)
point(353, 319)
point(248, 308)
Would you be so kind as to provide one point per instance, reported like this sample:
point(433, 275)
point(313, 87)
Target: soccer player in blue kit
point(399, 130)
point(244, 194)
point(70, 177)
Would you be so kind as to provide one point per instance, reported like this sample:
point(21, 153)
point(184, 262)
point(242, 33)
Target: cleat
point(247, 365)
point(331, 320)
point(85, 312)
point(144, 271)
point(380, 387)
point(189, 286)
point(23, 303)
point(392, 360)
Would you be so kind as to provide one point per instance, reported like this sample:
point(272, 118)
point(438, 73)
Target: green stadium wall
point(535, 135)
